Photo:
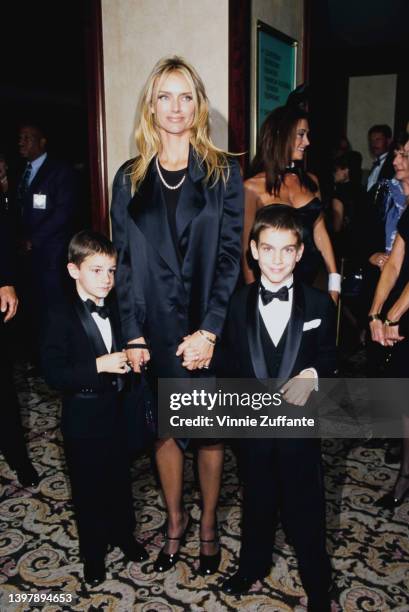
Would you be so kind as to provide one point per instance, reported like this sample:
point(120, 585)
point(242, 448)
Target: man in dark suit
point(12, 443)
point(82, 358)
point(47, 195)
point(279, 329)
point(379, 142)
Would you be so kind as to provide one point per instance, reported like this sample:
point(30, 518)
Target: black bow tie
point(102, 311)
point(376, 163)
point(267, 296)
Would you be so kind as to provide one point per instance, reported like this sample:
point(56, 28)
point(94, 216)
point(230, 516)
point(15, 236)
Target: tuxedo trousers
point(99, 472)
point(283, 477)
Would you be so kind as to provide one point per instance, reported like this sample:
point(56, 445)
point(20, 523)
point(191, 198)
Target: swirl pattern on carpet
point(39, 549)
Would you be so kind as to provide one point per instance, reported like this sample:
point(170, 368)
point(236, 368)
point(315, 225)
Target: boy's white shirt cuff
point(314, 371)
point(334, 282)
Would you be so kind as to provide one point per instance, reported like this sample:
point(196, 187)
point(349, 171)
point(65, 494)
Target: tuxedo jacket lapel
point(294, 334)
point(253, 333)
point(148, 210)
point(115, 326)
point(94, 335)
point(91, 328)
point(117, 344)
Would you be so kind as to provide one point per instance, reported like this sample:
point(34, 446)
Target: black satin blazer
point(159, 298)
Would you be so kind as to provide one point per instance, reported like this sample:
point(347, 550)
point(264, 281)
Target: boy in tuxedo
point(278, 328)
point(82, 358)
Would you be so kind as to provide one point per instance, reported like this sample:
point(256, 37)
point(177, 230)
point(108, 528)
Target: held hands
point(297, 390)
point(137, 358)
point(392, 335)
point(377, 329)
point(387, 335)
point(196, 350)
point(8, 302)
point(114, 363)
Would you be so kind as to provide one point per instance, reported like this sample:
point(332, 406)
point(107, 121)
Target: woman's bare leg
point(170, 460)
point(210, 464)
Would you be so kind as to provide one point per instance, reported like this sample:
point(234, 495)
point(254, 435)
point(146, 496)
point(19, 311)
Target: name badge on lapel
point(39, 201)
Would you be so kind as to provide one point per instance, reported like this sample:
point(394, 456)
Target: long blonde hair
point(147, 135)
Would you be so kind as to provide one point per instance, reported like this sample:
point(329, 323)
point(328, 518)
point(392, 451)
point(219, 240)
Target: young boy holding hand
point(82, 357)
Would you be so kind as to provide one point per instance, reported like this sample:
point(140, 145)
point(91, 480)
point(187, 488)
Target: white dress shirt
point(35, 167)
point(374, 174)
point(104, 325)
point(277, 313)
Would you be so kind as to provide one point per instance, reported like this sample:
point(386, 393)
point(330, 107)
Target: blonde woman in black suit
point(177, 215)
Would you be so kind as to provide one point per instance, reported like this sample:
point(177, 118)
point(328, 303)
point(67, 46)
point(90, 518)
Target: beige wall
point(287, 16)
point(371, 100)
point(136, 33)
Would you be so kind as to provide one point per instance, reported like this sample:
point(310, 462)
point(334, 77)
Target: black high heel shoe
point(165, 561)
point(389, 501)
point(209, 564)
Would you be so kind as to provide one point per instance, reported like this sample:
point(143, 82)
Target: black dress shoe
point(133, 551)
point(209, 564)
point(94, 571)
point(237, 584)
point(27, 476)
point(164, 562)
point(321, 602)
point(390, 501)
point(320, 605)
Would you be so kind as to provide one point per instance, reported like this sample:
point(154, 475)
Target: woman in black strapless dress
point(278, 178)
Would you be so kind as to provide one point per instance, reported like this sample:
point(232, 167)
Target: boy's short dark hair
point(276, 216)
point(86, 243)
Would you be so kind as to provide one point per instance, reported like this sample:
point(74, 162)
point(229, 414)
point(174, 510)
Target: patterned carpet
point(38, 545)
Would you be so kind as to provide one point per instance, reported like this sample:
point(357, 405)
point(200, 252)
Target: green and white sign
point(276, 69)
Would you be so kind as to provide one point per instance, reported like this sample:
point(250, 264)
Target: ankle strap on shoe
point(209, 541)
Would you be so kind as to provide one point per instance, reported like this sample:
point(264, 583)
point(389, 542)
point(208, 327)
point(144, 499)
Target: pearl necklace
point(173, 187)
